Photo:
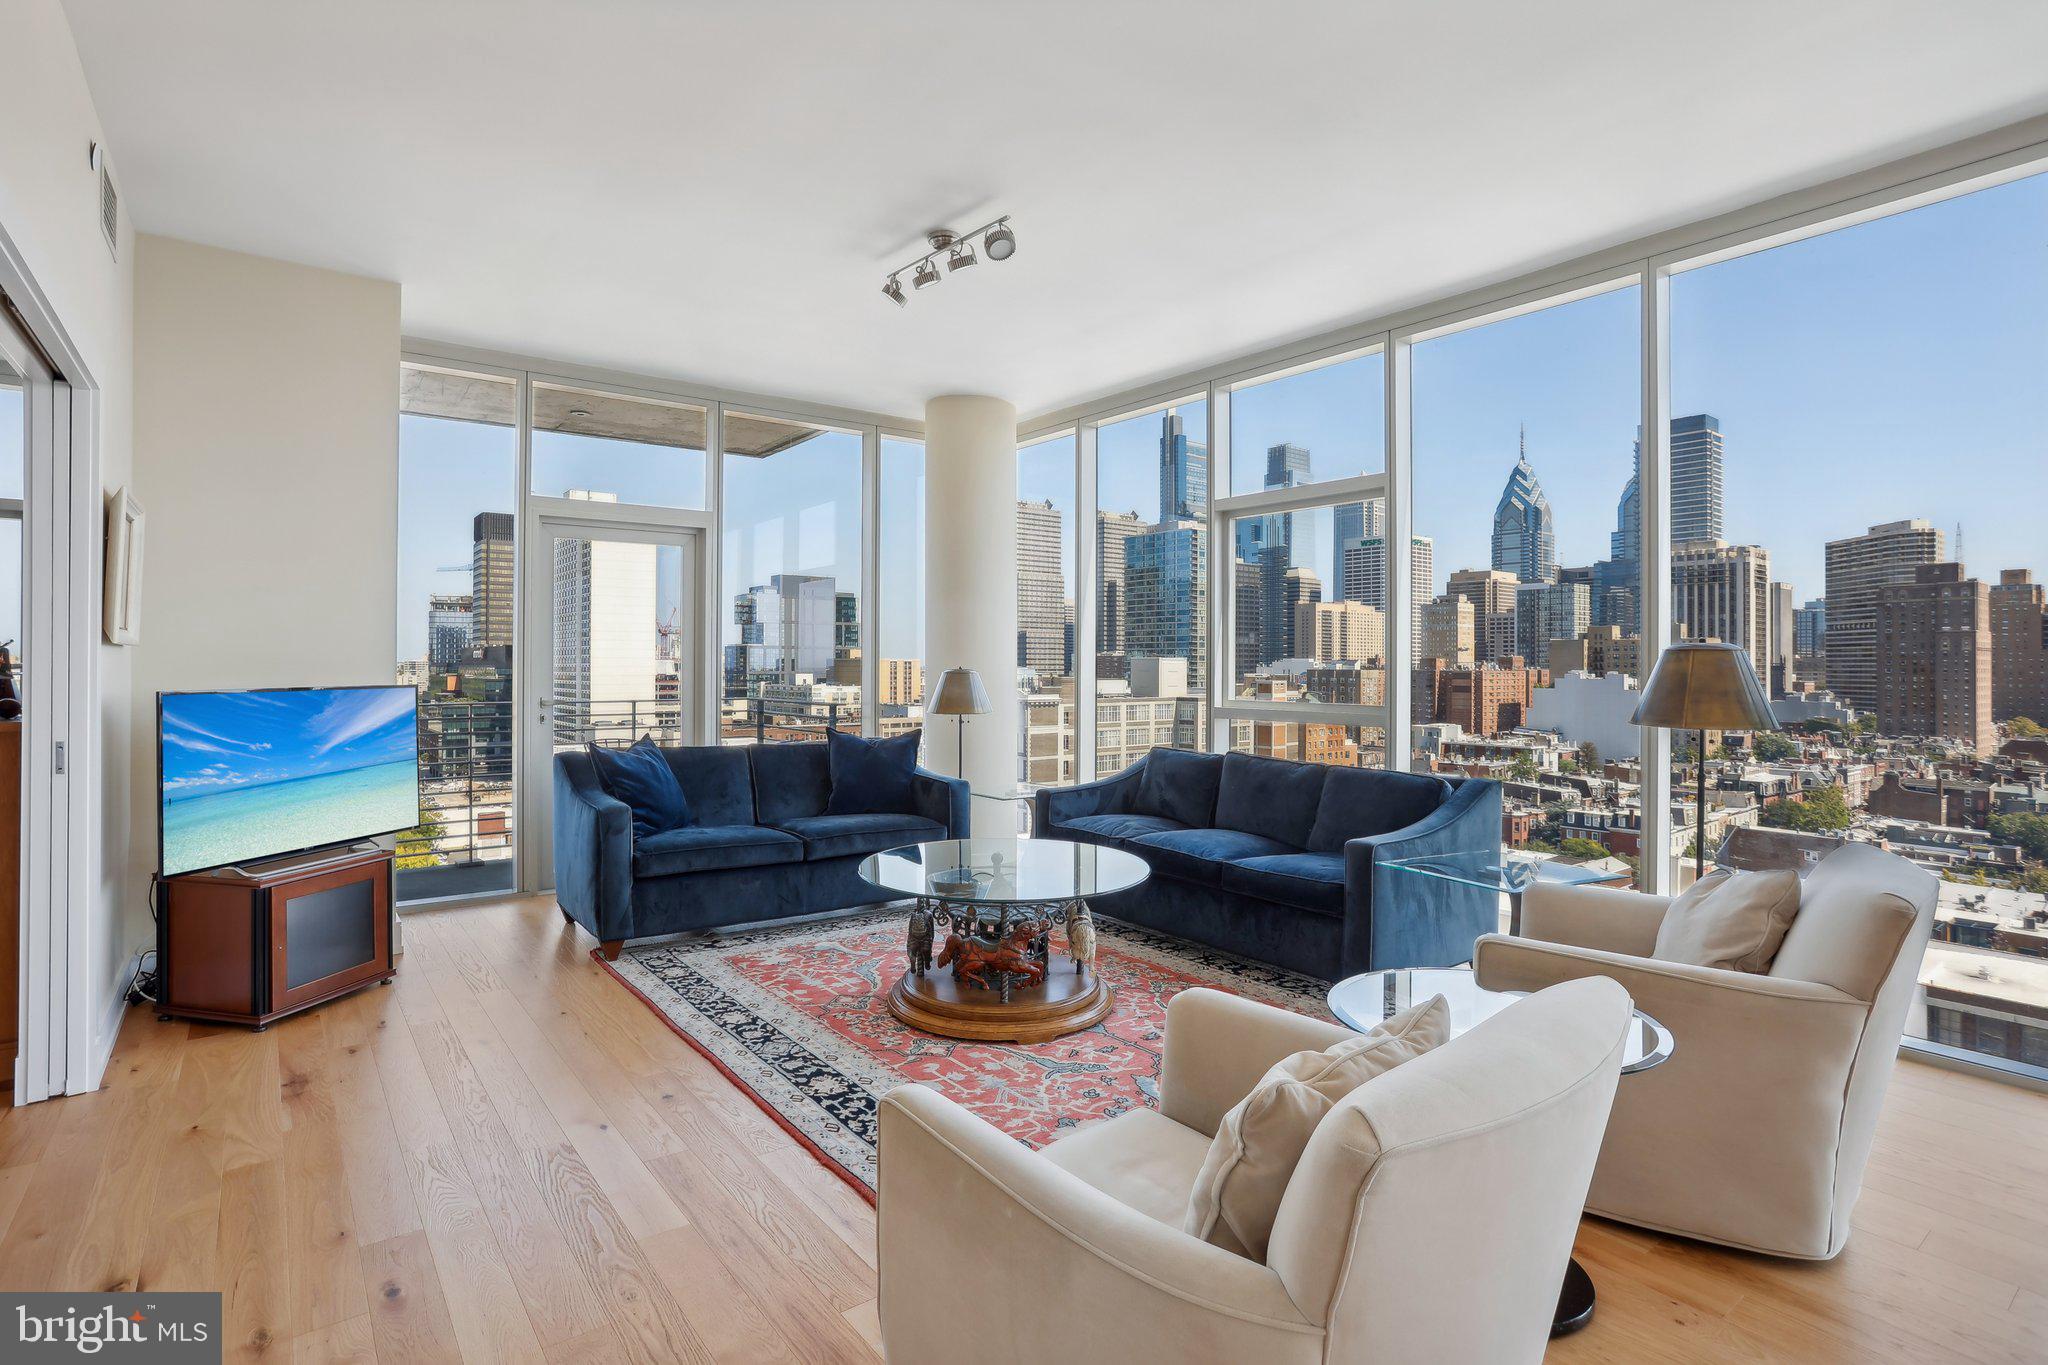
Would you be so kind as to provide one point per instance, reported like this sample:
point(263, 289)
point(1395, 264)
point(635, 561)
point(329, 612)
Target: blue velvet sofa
point(759, 846)
point(1280, 861)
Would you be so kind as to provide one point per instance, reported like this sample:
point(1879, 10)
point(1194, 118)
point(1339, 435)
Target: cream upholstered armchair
point(1430, 1218)
point(1756, 1132)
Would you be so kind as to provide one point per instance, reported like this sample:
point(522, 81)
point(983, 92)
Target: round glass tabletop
point(1363, 1002)
point(1004, 871)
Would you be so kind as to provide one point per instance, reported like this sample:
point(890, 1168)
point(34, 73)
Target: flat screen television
point(260, 774)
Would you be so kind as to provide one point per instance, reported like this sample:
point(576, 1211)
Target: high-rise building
point(787, 626)
point(1166, 577)
point(1492, 595)
point(1602, 649)
point(1546, 612)
point(606, 649)
point(492, 575)
point(1810, 628)
point(1524, 536)
point(899, 682)
point(1183, 473)
point(1696, 483)
point(1723, 592)
point(1287, 466)
point(1362, 574)
point(2019, 648)
point(1448, 632)
point(451, 629)
point(1112, 531)
point(1485, 699)
point(1248, 602)
point(1857, 568)
point(1041, 590)
point(1340, 630)
point(1298, 587)
point(1782, 673)
point(1934, 653)
point(1355, 521)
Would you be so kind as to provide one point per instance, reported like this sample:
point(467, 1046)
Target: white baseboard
point(109, 1028)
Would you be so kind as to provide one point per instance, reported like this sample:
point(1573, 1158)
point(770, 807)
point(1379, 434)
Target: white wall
point(266, 432)
point(49, 212)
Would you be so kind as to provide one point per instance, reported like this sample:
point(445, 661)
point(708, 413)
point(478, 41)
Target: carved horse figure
point(972, 959)
point(1081, 936)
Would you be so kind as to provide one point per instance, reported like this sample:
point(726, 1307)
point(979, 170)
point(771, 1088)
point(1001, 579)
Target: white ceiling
point(716, 190)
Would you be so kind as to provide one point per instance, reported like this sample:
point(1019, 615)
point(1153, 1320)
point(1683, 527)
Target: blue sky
point(1894, 369)
point(217, 740)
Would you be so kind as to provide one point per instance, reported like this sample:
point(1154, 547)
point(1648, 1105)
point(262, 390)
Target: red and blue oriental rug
point(797, 1016)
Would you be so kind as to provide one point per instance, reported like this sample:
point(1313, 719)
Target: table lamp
point(960, 695)
point(1702, 686)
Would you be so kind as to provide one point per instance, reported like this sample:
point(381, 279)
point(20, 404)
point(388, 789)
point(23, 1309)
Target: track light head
point(927, 274)
point(962, 257)
point(894, 289)
point(1000, 243)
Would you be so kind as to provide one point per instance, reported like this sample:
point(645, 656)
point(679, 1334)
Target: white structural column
point(970, 600)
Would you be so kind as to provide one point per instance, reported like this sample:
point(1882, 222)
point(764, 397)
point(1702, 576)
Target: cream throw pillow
point(1256, 1147)
point(1732, 920)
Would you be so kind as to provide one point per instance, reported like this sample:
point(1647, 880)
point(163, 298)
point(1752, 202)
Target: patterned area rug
point(798, 1016)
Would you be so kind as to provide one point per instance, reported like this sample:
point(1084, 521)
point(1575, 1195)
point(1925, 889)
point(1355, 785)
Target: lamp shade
point(959, 693)
point(1701, 686)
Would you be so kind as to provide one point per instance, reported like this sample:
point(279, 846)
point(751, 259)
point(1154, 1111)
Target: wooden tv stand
point(252, 944)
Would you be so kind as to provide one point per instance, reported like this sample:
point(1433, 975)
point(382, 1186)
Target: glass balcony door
point(616, 651)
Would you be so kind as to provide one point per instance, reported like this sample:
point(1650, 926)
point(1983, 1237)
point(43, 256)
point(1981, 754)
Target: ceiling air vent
point(110, 202)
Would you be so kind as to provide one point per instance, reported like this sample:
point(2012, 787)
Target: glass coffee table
point(1364, 1002)
point(1510, 876)
point(981, 958)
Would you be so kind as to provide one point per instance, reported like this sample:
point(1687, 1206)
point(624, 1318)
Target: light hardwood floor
point(505, 1157)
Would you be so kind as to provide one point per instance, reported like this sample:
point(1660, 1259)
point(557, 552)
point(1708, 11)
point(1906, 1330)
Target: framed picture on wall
point(121, 610)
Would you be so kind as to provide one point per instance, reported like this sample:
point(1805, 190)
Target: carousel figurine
point(919, 948)
point(1080, 936)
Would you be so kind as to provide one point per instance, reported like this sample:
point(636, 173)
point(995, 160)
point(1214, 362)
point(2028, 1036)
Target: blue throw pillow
point(640, 777)
point(871, 776)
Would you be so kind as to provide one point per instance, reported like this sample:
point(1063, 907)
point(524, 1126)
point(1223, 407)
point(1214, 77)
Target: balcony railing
point(757, 720)
point(463, 843)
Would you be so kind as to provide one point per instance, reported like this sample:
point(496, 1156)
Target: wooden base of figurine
point(1066, 1002)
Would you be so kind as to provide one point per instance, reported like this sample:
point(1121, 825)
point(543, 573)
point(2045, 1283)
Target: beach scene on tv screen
point(249, 774)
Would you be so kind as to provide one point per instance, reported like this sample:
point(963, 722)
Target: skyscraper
point(1546, 612)
point(451, 626)
point(1041, 590)
point(1723, 592)
point(1934, 652)
point(2019, 647)
point(1183, 473)
point(1696, 489)
point(1857, 567)
point(1354, 521)
point(1448, 631)
point(491, 579)
point(1781, 675)
point(1492, 595)
point(1112, 531)
point(1524, 536)
point(1329, 631)
point(787, 626)
point(1166, 576)
point(1810, 628)
point(1298, 588)
point(606, 648)
point(1362, 575)
point(1248, 611)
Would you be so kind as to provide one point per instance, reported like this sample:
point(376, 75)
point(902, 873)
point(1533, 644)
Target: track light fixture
point(998, 243)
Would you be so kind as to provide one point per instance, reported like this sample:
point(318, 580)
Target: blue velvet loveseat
point(759, 844)
point(1280, 861)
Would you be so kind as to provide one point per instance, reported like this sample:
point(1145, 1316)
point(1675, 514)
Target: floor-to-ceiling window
point(1307, 587)
point(900, 688)
point(616, 447)
point(1151, 547)
point(791, 630)
point(1047, 621)
point(1868, 410)
point(1526, 644)
point(458, 462)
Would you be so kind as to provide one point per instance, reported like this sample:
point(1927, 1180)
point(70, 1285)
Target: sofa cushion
point(717, 782)
point(841, 836)
point(1270, 797)
point(789, 780)
point(710, 848)
point(640, 777)
point(1140, 1158)
point(1198, 855)
point(870, 776)
point(1358, 802)
point(1180, 786)
point(1731, 920)
point(1252, 1158)
point(1307, 881)
point(1112, 828)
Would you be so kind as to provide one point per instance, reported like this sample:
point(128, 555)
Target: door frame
point(542, 520)
point(68, 1019)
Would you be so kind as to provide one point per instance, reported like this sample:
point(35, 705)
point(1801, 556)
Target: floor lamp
point(1699, 686)
point(960, 695)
